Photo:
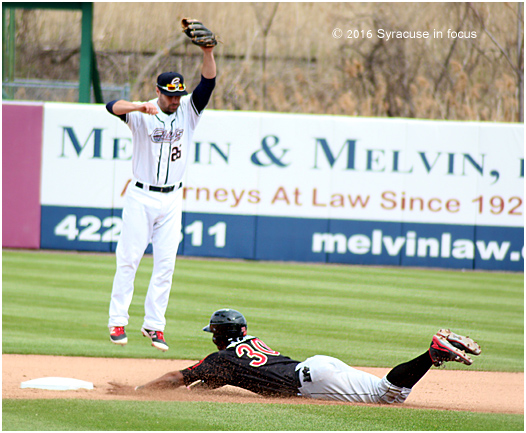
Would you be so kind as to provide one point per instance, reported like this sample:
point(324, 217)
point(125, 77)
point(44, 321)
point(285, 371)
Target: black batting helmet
point(227, 324)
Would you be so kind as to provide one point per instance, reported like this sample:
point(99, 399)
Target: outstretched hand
point(120, 389)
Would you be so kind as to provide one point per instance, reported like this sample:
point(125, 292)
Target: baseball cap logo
point(175, 85)
point(170, 83)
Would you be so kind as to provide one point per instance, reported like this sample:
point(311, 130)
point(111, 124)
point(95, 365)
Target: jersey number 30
point(257, 350)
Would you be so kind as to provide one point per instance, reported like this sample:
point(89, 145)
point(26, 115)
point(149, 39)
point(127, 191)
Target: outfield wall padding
point(312, 188)
point(21, 173)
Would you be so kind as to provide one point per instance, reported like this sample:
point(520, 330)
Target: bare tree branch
point(266, 29)
point(154, 61)
point(494, 40)
point(451, 50)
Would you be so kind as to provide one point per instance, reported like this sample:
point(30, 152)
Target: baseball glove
point(198, 33)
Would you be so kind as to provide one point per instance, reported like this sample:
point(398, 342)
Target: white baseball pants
point(147, 216)
point(332, 379)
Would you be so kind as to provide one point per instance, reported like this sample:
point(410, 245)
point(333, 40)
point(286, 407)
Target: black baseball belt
point(158, 188)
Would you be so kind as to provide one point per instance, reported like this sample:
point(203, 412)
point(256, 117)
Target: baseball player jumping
point(162, 131)
point(246, 362)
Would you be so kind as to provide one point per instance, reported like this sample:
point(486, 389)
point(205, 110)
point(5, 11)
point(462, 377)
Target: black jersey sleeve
point(211, 371)
point(201, 94)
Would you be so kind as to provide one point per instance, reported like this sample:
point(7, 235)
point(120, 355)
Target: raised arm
point(203, 91)
point(209, 64)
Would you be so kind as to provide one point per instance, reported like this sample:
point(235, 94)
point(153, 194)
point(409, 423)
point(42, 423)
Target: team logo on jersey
point(160, 135)
point(178, 133)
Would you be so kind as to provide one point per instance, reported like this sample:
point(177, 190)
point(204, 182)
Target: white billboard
point(303, 166)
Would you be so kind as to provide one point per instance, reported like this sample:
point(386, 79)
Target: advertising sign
point(302, 187)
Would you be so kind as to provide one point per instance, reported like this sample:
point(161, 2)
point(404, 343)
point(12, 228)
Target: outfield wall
point(270, 186)
point(21, 172)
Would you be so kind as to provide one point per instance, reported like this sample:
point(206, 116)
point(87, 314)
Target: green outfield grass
point(366, 316)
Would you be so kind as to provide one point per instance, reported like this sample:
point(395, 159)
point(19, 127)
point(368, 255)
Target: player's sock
point(407, 374)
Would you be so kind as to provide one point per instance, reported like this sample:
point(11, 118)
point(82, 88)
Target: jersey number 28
point(257, 350)
point(176, 153)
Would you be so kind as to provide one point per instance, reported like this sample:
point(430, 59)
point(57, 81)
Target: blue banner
point(302, 239)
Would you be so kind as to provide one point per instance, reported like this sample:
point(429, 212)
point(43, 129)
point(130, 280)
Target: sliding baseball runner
point(247, 362)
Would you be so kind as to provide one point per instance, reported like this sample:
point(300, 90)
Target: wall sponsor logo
point(262, 185)
point(412, 245)
point(268, 238)
point(351, 156)
point(391, 160)
point(91, 229)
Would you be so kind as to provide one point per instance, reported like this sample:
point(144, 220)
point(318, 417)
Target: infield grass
point(67, 415)
point(366, 316)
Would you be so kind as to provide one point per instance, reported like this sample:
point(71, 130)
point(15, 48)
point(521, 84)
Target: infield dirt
point(442, 389)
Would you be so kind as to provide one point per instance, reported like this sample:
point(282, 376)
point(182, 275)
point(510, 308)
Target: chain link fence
point(57, 91)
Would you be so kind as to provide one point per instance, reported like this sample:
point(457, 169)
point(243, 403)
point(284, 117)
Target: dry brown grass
point(306, 69)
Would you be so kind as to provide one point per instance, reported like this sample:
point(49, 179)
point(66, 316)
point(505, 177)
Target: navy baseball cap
point(171, 84)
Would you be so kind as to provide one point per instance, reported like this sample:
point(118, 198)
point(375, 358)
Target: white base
point(57, 384)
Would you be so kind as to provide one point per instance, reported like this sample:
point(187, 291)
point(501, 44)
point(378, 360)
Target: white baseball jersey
point(161, 143)
point(151, 213)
